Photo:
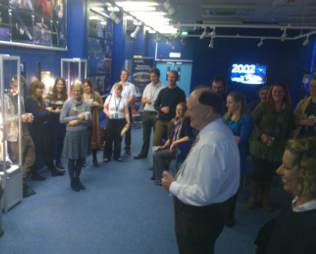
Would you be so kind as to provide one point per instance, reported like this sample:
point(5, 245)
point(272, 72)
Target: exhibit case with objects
point(72, 70)
point(10, 131)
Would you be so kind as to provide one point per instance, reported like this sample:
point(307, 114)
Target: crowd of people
point(222, 131)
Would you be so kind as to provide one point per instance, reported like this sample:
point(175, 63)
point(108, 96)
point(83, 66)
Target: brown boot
point(265, 196)
point(255, 187)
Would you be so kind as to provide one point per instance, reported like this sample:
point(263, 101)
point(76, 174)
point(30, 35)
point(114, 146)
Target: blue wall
point(286, 61)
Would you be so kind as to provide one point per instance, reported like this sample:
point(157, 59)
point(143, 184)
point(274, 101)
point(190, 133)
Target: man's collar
point(211, 125)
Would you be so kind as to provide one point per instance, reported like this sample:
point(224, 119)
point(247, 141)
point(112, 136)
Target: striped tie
point(194, 143)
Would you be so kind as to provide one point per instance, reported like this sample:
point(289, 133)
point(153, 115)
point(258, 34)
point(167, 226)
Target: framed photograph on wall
point(22, 4)
point(97, 27)
point(43, 7)
point(22, 26)
point(107, 84)
point(42, 31)
point(4, 24)
point(59, 10)
point(59, 33)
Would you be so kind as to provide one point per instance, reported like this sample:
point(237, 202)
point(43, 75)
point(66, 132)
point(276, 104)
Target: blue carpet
point(121, 211)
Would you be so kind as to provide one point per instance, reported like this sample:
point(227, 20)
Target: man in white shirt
point(150, 95)
point(207, 178)
point(129, 92)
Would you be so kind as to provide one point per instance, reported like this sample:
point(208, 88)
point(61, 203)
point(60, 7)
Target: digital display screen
point(252, 74)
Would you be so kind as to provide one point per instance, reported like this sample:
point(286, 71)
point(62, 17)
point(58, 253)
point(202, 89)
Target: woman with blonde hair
point(294, 230)
point(39, 129)
point(116, 110)
point(239, 120)
point(76, 114)
point(56, 100)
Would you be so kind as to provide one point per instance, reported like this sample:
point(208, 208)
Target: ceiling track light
point(171, 11)
point(202, 36)
point(177, 34)
point(182, 41)
point(115, 18)
point(306, 41)
point(211, 45)
point(260, 43)
point(157, 38)
point(133, 34)
point(213, 33)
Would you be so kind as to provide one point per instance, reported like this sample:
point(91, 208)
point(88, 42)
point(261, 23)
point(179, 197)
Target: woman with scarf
point(95, 102)
point(180, 132)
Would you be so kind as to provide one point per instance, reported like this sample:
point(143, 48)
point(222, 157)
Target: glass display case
point(72, 70)
point(10, 131)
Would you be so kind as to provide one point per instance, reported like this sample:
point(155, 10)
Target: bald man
point(207, 178)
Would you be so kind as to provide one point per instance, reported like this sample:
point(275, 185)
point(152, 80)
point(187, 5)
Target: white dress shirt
point(151, 93)
point(116, 106)
point(128, 90)
point(211, 172)
point(311, 205)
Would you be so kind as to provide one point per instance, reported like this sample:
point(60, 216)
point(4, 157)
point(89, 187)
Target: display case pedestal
point(13, 188)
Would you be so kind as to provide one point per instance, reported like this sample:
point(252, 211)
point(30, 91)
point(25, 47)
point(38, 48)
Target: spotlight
point(157, 38)
point(260, 43)
point(169, 44)
point(115, 18)
point(182, 41)
point(211, 44)
point(177, 34)
point(171, 11)
point(203, 34)
point(306, 41)
point(133, 34)
point(283, 36)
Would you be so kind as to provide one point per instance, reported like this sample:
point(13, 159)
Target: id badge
point(115, 116)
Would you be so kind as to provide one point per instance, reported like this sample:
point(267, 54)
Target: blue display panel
point(252, 74)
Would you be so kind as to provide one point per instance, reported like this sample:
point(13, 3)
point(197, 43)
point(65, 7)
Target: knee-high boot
point(265, 196)
point(255, 187)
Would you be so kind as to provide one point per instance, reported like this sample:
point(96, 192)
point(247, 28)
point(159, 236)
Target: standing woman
point(39, 129)
point(76, 114)
point(273, 121)
point(95, 101)
point(116, 109)
point(239, 120)
point(56, 100)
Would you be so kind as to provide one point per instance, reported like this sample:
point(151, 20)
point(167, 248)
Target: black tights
point(74, 167)
point(94, 153)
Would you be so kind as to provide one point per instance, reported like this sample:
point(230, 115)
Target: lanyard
point(118, 104)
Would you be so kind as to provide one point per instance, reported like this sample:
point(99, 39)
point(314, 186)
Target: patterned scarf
point(177, 130)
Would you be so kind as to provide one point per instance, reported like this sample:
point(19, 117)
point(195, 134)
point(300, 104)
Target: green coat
point(299, 113)
point(265, 120)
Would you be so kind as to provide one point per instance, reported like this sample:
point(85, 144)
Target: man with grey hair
point(208, 177)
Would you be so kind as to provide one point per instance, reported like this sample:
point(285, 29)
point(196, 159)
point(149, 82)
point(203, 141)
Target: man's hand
point(265, 139)
point(167, 180)
point(165, 110)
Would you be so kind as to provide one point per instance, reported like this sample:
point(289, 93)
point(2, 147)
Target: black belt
point(150, 112)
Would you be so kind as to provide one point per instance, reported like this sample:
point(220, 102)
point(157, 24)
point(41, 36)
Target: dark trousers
point(231, 207)
point(60, 145)
point(162, 129)
point(160, 163)
point(113, 133)
point(149, 121)
point(197, 228)
point(128, 134)
point(264, 170)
